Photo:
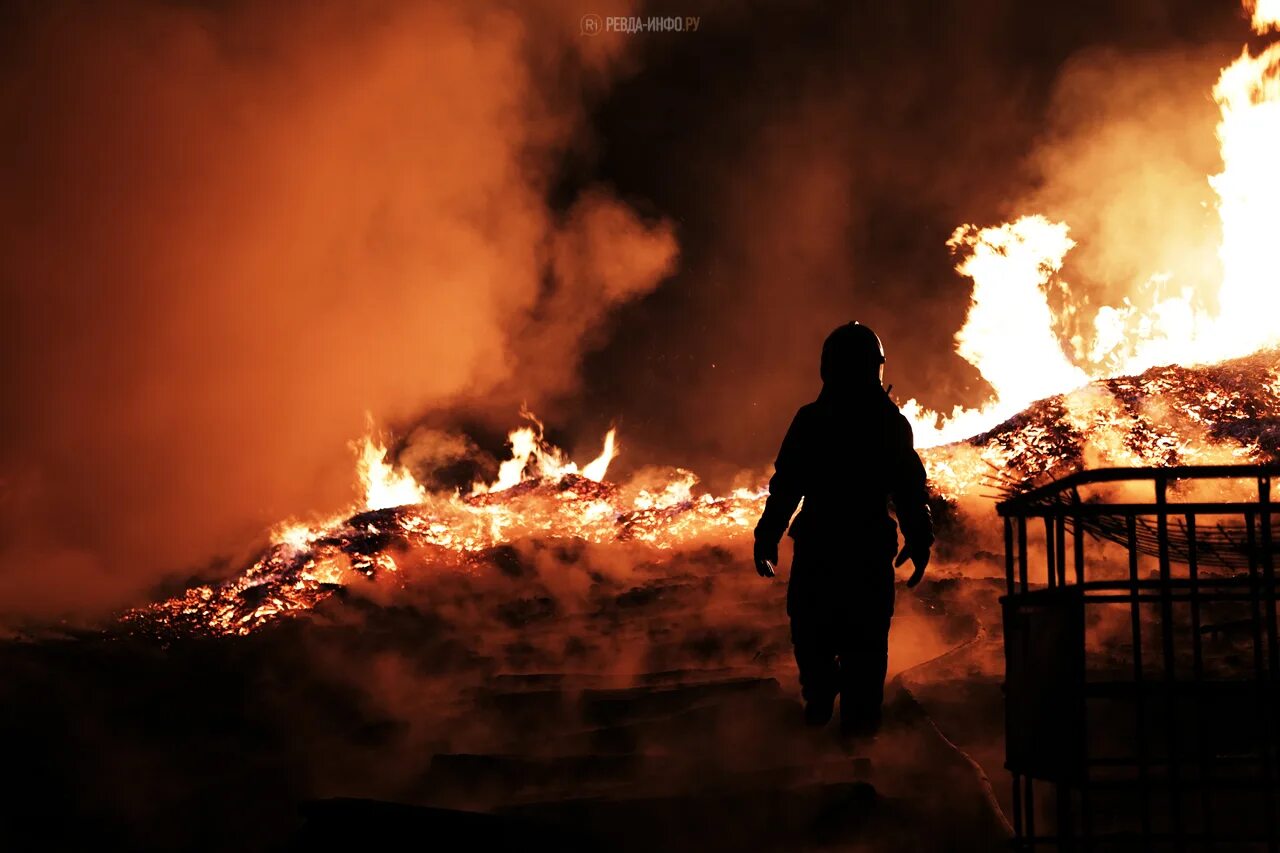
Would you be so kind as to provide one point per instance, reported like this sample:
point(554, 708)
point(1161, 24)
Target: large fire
point(1011, 334)
point(1056, 404)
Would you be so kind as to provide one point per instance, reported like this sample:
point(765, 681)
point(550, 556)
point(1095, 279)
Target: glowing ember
point(1225, 414)
point(1173, 415)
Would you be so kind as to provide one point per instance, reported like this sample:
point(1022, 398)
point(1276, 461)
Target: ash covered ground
point(550, 690)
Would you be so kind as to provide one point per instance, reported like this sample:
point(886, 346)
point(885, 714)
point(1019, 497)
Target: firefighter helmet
point(851, 350)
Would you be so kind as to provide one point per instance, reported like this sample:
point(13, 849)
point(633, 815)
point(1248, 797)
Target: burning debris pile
point(538, 493)
point(1171, 415)
point(1082, 385)
point(1221, 414)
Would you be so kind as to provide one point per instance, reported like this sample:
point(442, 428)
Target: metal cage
point(1141, 677)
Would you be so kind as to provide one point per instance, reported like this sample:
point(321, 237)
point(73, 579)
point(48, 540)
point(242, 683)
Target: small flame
point(534, 458)
point(294, 535)
point(383, 484)
point(598, 467)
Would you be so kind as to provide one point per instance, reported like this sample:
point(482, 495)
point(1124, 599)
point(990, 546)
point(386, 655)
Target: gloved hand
point(766, 558)
point(919, 556)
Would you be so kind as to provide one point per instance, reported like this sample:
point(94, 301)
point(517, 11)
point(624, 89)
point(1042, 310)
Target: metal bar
point(1269, 573)
point(1269, 768)
point(1078, 534)
point(1197, 676)
point(1111, 475)
point(1251, 538)
point(1060, 548)
point(1220, 780)
point(1022, 553)
point(1050, 575)
point(1261, 691)
point(1008, 554)
point(1051, 560)
point(1226, 582)
point(1086, 805)
point(1167, 655)
point(1156, 598)
point(1089, 510)
point(1243, 545)
point(1140, 728)
point(1123, 841)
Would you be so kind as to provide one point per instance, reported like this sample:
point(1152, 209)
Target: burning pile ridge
point(1032, 335)
point(1123, 411)
point(1218, 414)
point(304, 565)
point(1166, 416)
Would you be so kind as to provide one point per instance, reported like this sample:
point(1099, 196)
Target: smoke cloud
point(1124, 161)
point(230, 230)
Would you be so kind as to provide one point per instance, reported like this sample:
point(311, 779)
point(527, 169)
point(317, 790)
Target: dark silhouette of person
point(847, 454)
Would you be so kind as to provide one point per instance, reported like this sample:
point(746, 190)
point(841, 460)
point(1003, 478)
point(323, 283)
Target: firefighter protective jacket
point(847, 454)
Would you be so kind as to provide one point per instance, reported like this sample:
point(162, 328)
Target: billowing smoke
point(1124, 161)
point(230, 230)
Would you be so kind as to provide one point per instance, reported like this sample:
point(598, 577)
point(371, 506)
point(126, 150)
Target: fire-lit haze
point(394, 387)
point(1012, 335)
point(240, 239)
point(232, 230)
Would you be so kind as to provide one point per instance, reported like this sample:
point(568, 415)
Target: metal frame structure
point(1142, 685)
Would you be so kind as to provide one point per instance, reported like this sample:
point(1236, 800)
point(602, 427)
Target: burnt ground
point(587, 697)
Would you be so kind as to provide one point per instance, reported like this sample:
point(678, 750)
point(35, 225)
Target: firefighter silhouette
point(846, 454)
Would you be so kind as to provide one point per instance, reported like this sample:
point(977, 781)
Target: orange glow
point(1119, 399)
point(384, 485)
point(1011, 335)
point(533, 456)
point(1266, 14)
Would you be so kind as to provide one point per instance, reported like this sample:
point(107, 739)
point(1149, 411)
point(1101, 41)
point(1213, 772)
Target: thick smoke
point(1124, 161)
point(232, 229)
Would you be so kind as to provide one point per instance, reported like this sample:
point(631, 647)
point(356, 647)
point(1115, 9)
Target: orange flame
point(533, 457)
point(1010, 333)
point(383, 484)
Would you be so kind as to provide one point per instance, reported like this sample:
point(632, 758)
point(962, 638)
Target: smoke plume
point(230, 230)
point(1124, 160)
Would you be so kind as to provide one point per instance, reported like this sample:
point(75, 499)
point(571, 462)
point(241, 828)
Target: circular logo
point(591, 25)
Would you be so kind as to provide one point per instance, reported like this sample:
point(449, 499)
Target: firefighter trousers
point(840, 604)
